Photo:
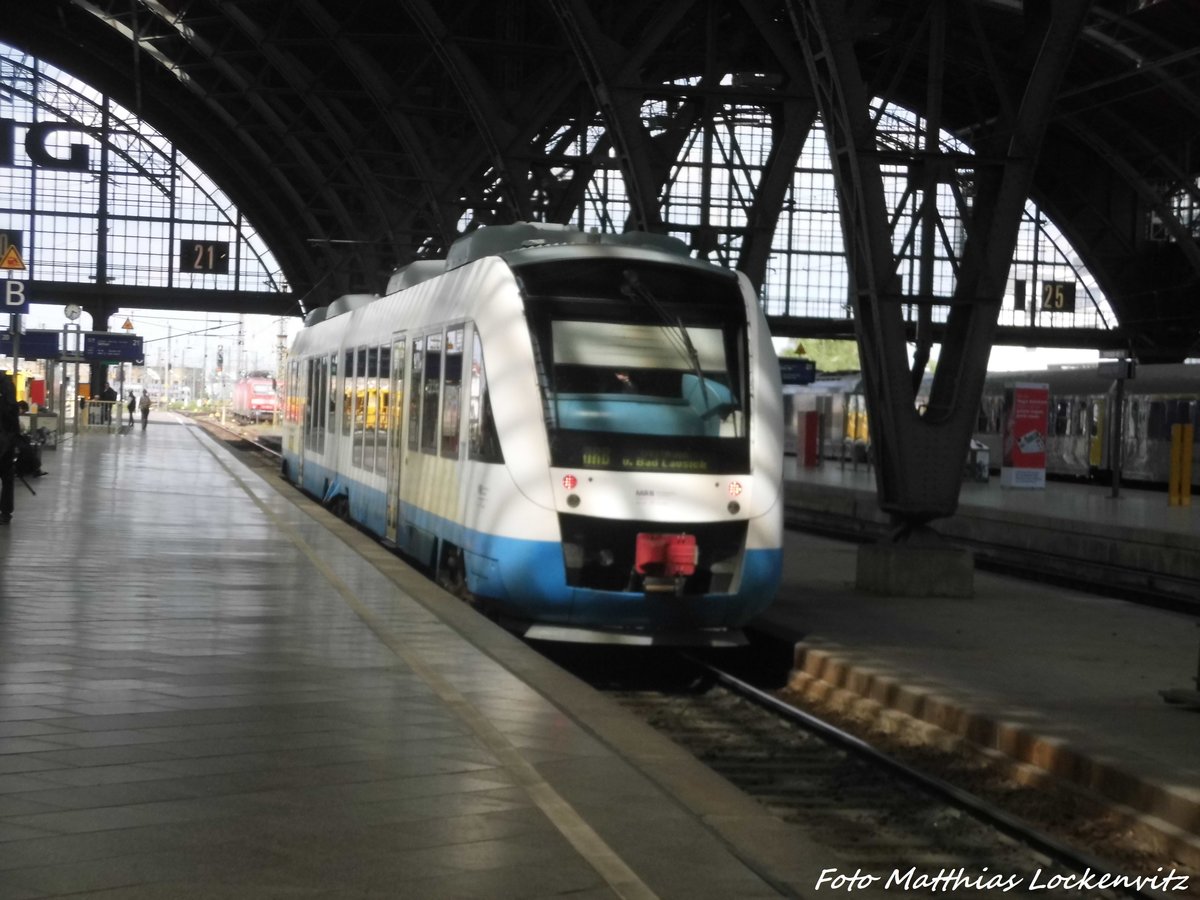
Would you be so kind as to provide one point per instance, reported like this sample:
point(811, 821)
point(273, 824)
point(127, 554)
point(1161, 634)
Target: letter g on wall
point(39, 146)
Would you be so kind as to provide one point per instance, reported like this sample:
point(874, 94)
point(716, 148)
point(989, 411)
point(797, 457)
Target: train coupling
point(665, 561)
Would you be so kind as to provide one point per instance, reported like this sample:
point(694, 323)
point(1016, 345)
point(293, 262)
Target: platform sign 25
point(207, 257)
point(1058, 296)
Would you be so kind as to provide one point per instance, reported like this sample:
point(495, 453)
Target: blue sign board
point(797, 370)
point(14, 296)
point(99, 346)
point(34, 344)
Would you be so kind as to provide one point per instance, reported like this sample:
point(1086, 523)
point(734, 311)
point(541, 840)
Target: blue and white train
point(582, 432)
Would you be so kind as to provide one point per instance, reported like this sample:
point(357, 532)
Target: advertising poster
point(1026, 409)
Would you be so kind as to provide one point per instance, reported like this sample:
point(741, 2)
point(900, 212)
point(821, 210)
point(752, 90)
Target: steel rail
point(989, 813)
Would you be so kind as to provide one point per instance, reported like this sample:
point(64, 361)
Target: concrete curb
point(1165, 816)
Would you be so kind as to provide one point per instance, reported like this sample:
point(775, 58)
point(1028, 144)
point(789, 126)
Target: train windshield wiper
point(634, 289)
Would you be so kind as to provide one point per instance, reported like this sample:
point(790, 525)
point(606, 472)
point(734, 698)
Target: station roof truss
point(359, 135)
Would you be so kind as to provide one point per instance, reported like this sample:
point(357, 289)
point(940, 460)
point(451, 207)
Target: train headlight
point(735, 489)
point(570, 482)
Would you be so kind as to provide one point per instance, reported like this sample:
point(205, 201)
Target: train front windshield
point(642, 367)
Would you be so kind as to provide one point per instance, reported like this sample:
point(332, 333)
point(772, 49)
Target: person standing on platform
point(132, 404)
point(109, 396)
point(10, 428)
point(144, 406)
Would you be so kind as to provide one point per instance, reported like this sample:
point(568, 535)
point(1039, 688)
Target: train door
point(395, 444)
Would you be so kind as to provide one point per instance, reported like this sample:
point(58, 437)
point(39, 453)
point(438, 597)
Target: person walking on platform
point(144, 406)
point(132, 405)
point(10, 429)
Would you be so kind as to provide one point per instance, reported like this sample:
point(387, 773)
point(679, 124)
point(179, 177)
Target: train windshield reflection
point(635, 386)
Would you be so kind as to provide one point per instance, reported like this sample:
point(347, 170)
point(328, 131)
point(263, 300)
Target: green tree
point(829, 355)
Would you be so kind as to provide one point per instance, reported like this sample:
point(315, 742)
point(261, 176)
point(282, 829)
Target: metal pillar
point(920, 453)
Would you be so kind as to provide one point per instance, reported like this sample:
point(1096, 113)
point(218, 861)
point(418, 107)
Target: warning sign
point(12, 259)
point(128, 326)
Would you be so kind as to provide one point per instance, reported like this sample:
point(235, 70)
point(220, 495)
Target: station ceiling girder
point(360, 134)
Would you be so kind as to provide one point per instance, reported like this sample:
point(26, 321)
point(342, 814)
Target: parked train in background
point(255, 398)
point(580, 432)
point(1080, 426)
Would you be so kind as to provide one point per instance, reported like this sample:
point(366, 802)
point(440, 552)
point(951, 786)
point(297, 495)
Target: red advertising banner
point(1026, 410)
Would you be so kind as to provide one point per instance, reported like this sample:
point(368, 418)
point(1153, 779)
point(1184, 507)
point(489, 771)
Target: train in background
point(839, 400)
point(1080, 426)
point(580, 433)
point(1083, 421)
point(255, 398)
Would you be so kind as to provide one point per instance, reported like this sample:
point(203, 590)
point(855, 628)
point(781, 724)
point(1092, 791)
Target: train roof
point(342, 304)
point(1177, 378)
point(504, 240)
point(519, 243)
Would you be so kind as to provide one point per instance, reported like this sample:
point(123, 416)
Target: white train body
point(584, 432)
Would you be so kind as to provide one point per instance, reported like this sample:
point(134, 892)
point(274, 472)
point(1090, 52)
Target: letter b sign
point(15, 299)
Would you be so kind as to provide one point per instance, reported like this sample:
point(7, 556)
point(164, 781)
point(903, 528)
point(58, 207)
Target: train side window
point(1157, 428)
point(452, 392)
point(320, 389)
point(369, 398)
point(482, 442)
point(324, 415)
point(1062, 417)
point(358, 407)
point(414, 394)
point(310, 402)
point(431, 388)
point(396, 397)
point(1179, 412)
point(309, 412)
point(347, 392)
point(328, 395)
point(989, 415)
point(382, 407)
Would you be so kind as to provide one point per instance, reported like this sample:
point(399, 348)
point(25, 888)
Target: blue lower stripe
point(528, 580)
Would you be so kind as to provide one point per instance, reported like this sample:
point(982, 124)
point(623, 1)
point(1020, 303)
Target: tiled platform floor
point(208, 691)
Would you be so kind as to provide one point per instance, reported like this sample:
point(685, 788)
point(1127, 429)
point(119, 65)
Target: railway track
point(880, 813)
point(243, 437)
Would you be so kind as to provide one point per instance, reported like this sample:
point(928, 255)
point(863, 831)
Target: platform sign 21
point(207, 257)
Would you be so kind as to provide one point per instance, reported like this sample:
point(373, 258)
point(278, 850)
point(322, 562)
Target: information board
point(796, 370)
point(34, 344)
point(102, 346)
